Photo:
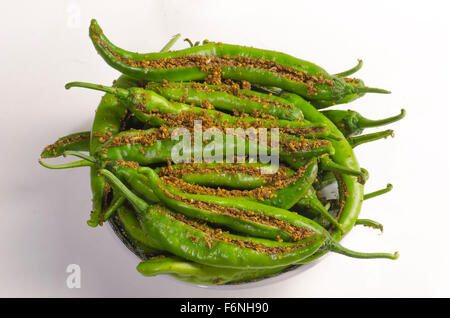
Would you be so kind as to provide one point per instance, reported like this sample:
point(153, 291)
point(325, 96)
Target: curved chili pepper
point(217, 174)
point(282, 195)
point(293, 192)
point(213, 61)
point(107, 122)
point(77, 141)
point(199, 243)
point(276, 196)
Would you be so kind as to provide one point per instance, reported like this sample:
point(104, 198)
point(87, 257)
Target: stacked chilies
point(211, 162)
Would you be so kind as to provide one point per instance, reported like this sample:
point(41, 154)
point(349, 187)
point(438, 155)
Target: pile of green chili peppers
point(218, 221)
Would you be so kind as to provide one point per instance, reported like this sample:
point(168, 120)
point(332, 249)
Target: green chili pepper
point(77, 141)
point(198, 273)
point(277, 195)
point(108, 119)
point(107, 122)
point(153, 146)
point(202, 244)
point(184, 216)
point(213, 247)
point(281, 194)
point(228, 98)
point(217, 174)
point(152, 108)
point(294, 191)
point(353, 195)
point(213, 61)
point(239, 214)
point(358, 85)
point(351, 123)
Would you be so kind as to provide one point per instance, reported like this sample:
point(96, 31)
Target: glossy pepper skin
point(228, 98)
point(244, 222)
point(293, 192)
point(217, 177)
point(352, 199)
point(154, 187)
point(202, 244)
point(197, 244)
point(305, 196)
point(315, 84)
point(180, 268)
point(150, 108)
point(284, 197)
point(162, 150)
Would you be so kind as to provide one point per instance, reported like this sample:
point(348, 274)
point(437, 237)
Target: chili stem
point(115, 204)
point(367, 123)
point(379, 192)
point(372, 90)
point(79, 155)
point(119, 92)
point(170, 43)
point(338, 248)
point(370, 223)
point(330, 165)
point(352, 70)
point(140, 205)
point(76, 164)
point(359, 140)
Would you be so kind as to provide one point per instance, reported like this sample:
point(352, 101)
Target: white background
point(405, 48)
